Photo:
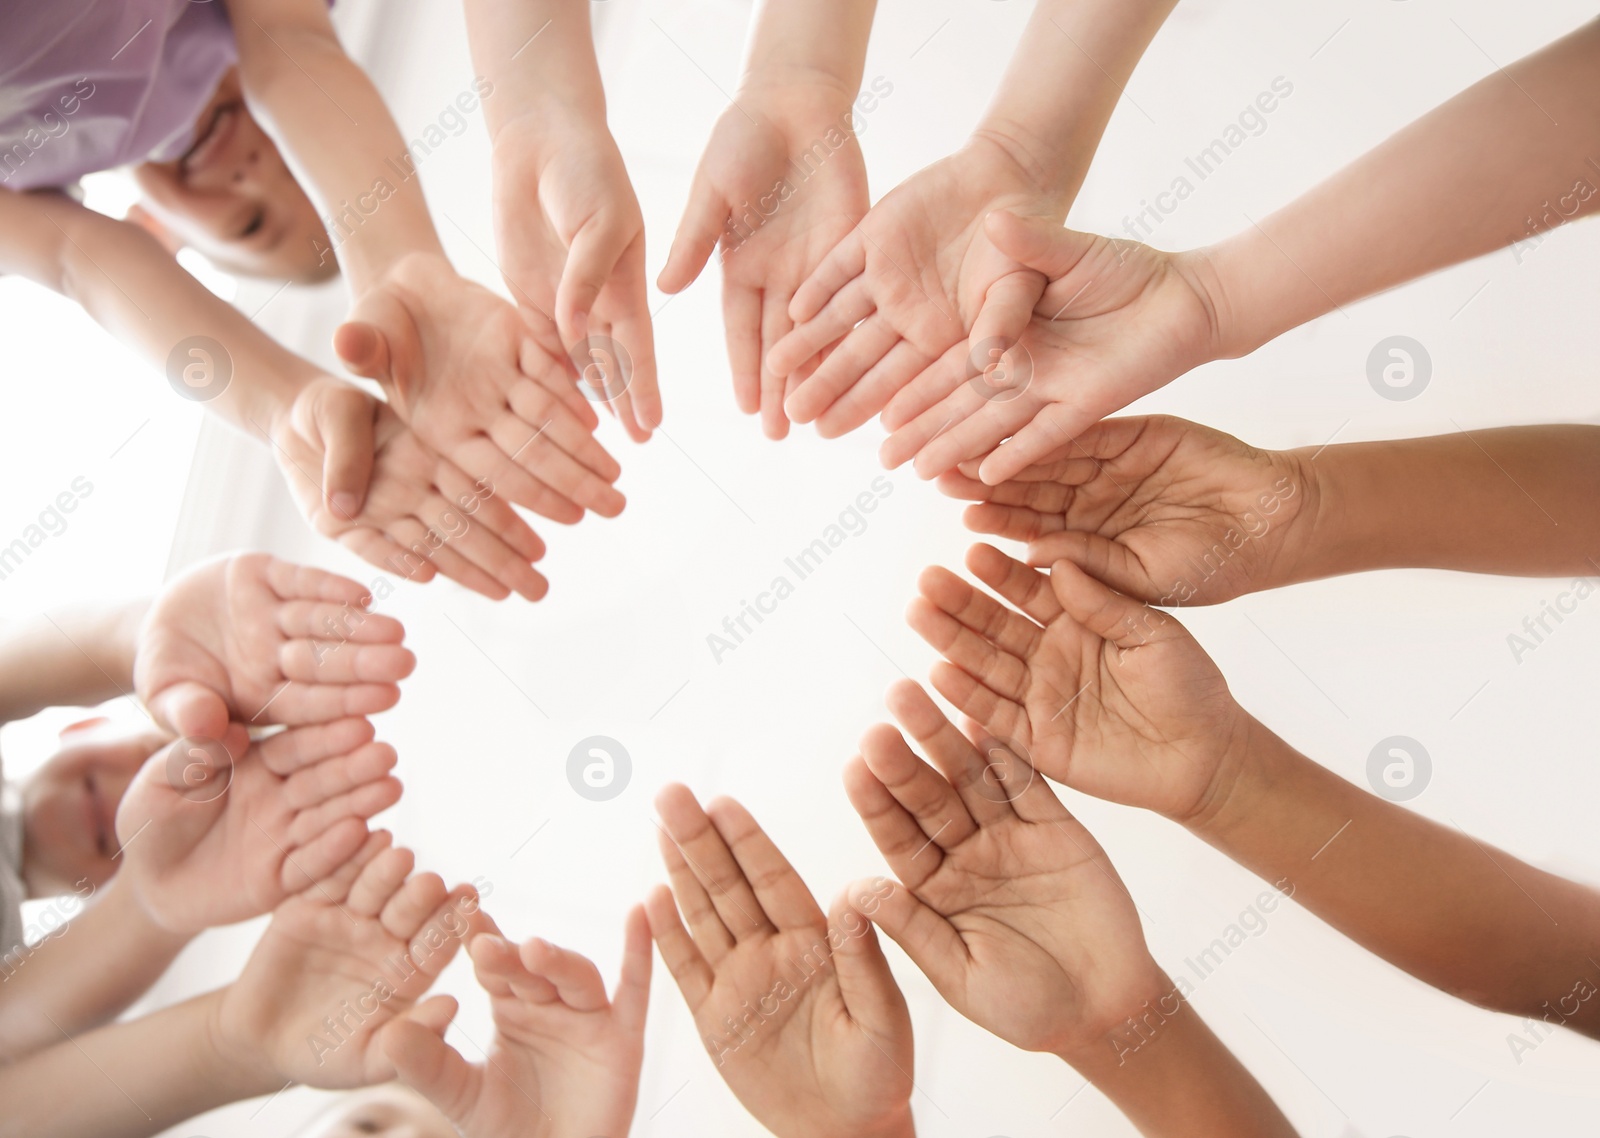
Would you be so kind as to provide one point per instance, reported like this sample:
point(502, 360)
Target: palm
point(1160, 508)
point(908, 285)
point(411, 523)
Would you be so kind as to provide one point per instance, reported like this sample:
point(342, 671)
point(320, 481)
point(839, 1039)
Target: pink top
point(88, 85)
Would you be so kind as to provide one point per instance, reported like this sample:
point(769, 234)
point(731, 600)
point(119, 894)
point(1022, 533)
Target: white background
point(1347, 1044)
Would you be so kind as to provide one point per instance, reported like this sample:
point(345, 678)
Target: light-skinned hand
point(423, 515)
point(215, 832)
point(564, 1060)
point(571, 241)
point(910, 286)
point(1006, 902)
point(797, 1008)
point(462, 367)
point(1096, 690)
point(339, 966)
point(252, 638)
point(1118, 321)
point(781, 183)
point(1159, 508)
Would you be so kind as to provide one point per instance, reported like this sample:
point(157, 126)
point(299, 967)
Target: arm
point(74, 658)
point(64, 984)
point(126, 1080)
point(1463, 916)
point(1502, 162)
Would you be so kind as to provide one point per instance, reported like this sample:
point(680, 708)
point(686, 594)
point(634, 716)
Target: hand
point(1118, 321)
point(1093, 689)
point(905, 289)
point(781, 183)
point(564, 1060)
point(462, 368)
point(822, 1045)
point(423, 516)
point(1164, 510)
point(1009, 905)
point(207, 840)
point(340, 966)
point(571, 242)
point(261, 641)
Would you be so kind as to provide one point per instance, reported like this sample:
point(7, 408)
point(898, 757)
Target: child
point(1120, 319)
point(1117, 700)
point(482, 388)
point(208, 654)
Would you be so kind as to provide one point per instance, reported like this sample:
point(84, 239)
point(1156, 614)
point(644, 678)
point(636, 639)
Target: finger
point(1015, 523)
point(852, 305)
point(325, 620)
point(426, 548)
point(986, 617)
point(999, 717)
point(342, 662)
point(631, 998)
point(379, 881)
point(365, 801)
point(323, 855)
point(191, 710)
point(632, 328)
point(421, 906)
point(1039, 243)
point(1024, 588)
point(844, 263)
point(778, 889)
point(427, 1064)
point(378, 549)
point(543, 358)
point(775, 325)
point(940, 812)
point(344, 422)
point(297, 702)
point(977, 778)
point(575, 977)
point(337, 776)
point(866, 983)
point(335, 885)
point(497, 964)
point(711, 862)
point(868, 396)
point(929, 387)
point(595, 250)
point(678, 950)
point(1101, 558)
point(1000, 670)
point(741, 321)
point(862, 348)
point(712, 937)
point(980, 420)
point(1115, 618)
point(932, 943)
point(697, 236)
point(560, 454)
point(1050, 429)
point(1007, 308)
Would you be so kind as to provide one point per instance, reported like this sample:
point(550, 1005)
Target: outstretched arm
point(70, 658)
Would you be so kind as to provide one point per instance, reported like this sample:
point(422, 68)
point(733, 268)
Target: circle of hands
point(991, 343)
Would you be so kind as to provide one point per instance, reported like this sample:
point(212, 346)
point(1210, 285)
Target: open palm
point(1159, 508)
point(1009, 905)
point(1101, 693)
point(781, 183)
point(831, 1054)
point(908, 286)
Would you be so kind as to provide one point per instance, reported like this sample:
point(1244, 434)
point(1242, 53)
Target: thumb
point(190, 708)
point(373, 341)
point(414, 1044)
point(696, 238)
point(345, 416)
point(925, 936)
point(594, 254)
point(1114, 618)
point(865, 980)
point(1038, 243)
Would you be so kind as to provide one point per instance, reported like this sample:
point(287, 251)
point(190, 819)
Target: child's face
point(70, 807)
point(392, 1110)
point(233, 198)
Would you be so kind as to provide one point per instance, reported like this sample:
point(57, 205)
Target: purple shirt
point(89, 85)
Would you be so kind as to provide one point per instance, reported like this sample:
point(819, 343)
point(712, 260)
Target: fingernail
point(345, 504)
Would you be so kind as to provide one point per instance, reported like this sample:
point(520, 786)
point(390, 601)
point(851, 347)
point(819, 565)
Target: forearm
point(538, 59)
point(1512, 500)
point(136, 291)
point(124, 1081)
point(1058, 93)
point(69, 658)
point(85, 975)
point(1171, 1075)
point(1501, 163)
point(1452, 911)
point(820, 43)
point(337, 133)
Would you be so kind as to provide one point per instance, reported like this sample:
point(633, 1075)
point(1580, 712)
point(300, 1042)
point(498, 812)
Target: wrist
point(897, 1125)
point(241, 1068)
point(1012, 177)
point(1257, 765)
point(780, 82)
